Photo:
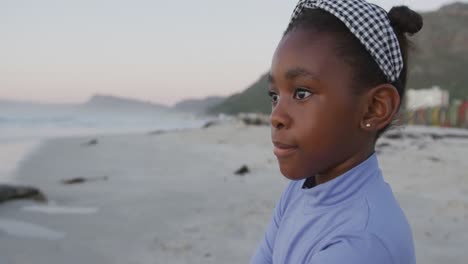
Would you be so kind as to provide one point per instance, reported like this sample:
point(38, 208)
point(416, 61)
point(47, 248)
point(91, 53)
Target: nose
point(279, 117)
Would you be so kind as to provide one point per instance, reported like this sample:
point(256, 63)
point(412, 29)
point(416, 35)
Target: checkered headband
point(370, 24)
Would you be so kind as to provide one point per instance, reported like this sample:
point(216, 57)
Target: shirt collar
point(344, 187)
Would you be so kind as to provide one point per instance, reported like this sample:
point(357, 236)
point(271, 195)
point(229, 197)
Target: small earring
point(368, 125)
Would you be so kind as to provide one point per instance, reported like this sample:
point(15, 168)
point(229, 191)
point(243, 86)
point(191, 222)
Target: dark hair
point(367, 72)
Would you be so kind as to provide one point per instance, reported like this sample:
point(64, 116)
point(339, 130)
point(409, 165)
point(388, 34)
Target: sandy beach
point(174, 197)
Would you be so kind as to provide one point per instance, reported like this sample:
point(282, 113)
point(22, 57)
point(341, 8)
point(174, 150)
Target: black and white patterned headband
point(370, 24)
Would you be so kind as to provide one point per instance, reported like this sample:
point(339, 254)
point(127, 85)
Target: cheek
point(326, 128)
point(324, 134)
point(313, 123)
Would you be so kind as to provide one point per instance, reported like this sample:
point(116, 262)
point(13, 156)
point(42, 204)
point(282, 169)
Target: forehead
point(310, 50)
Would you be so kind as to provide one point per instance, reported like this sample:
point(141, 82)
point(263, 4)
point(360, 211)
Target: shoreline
point(14, 151)
point(12, 154)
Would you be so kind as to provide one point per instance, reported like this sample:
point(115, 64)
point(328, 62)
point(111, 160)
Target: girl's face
point(316, 114)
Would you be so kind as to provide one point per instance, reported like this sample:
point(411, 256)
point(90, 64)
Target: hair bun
point(405, 20)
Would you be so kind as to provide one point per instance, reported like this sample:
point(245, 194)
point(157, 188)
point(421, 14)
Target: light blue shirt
point(352, 219)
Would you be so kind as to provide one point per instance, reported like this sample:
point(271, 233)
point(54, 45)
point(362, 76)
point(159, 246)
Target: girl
point(336, 82)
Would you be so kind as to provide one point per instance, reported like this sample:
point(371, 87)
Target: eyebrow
point(293, 74)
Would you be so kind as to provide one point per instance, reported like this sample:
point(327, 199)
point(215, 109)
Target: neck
point(343, 167)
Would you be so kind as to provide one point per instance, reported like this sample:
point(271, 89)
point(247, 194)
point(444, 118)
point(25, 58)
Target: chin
point(293, 173)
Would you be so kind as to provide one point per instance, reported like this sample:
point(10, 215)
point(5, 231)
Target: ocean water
point(24, 127)
point(25, 123)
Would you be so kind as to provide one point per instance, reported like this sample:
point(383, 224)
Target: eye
point(274, 96)
point(301, 94)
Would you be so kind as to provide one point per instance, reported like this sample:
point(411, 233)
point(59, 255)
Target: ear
point(382, 104)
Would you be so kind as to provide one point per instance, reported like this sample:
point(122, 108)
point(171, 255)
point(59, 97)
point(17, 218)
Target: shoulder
point(389, 224)
point(376, 231)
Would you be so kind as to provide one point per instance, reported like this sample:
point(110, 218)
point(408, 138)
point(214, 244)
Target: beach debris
point(254, 119)
point(156, 132)
point(393, 135)
point(210, 123)
point(79, 180)
point(383, 145)
point(434, 159)
point(380, 146)
point(11, 192)
point(74, 181)
point(436, 136)
point(92, 142)
point(242, 170)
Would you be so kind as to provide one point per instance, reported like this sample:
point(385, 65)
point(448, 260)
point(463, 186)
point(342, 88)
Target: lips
point(282, 149)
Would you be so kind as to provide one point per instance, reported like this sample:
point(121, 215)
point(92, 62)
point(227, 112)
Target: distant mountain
point(113, 102)
point(253, 99)
point(440, 58)
point(198, 106)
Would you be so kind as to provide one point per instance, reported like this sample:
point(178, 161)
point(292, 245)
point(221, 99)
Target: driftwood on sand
point(78, 180)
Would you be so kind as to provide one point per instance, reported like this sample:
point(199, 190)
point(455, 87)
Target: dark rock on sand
point(210, 124)
point(92, 142)
point(242, 170)
point(79, 180)
point(156, 132)
point(412, 136)
point(383, 145)
point(436, 136)
point(11, 192)
point(255, 119)
point(393, 135)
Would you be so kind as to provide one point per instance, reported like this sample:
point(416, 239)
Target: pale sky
point(161, 51)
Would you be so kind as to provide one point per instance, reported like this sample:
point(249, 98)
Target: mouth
point(282, 150)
